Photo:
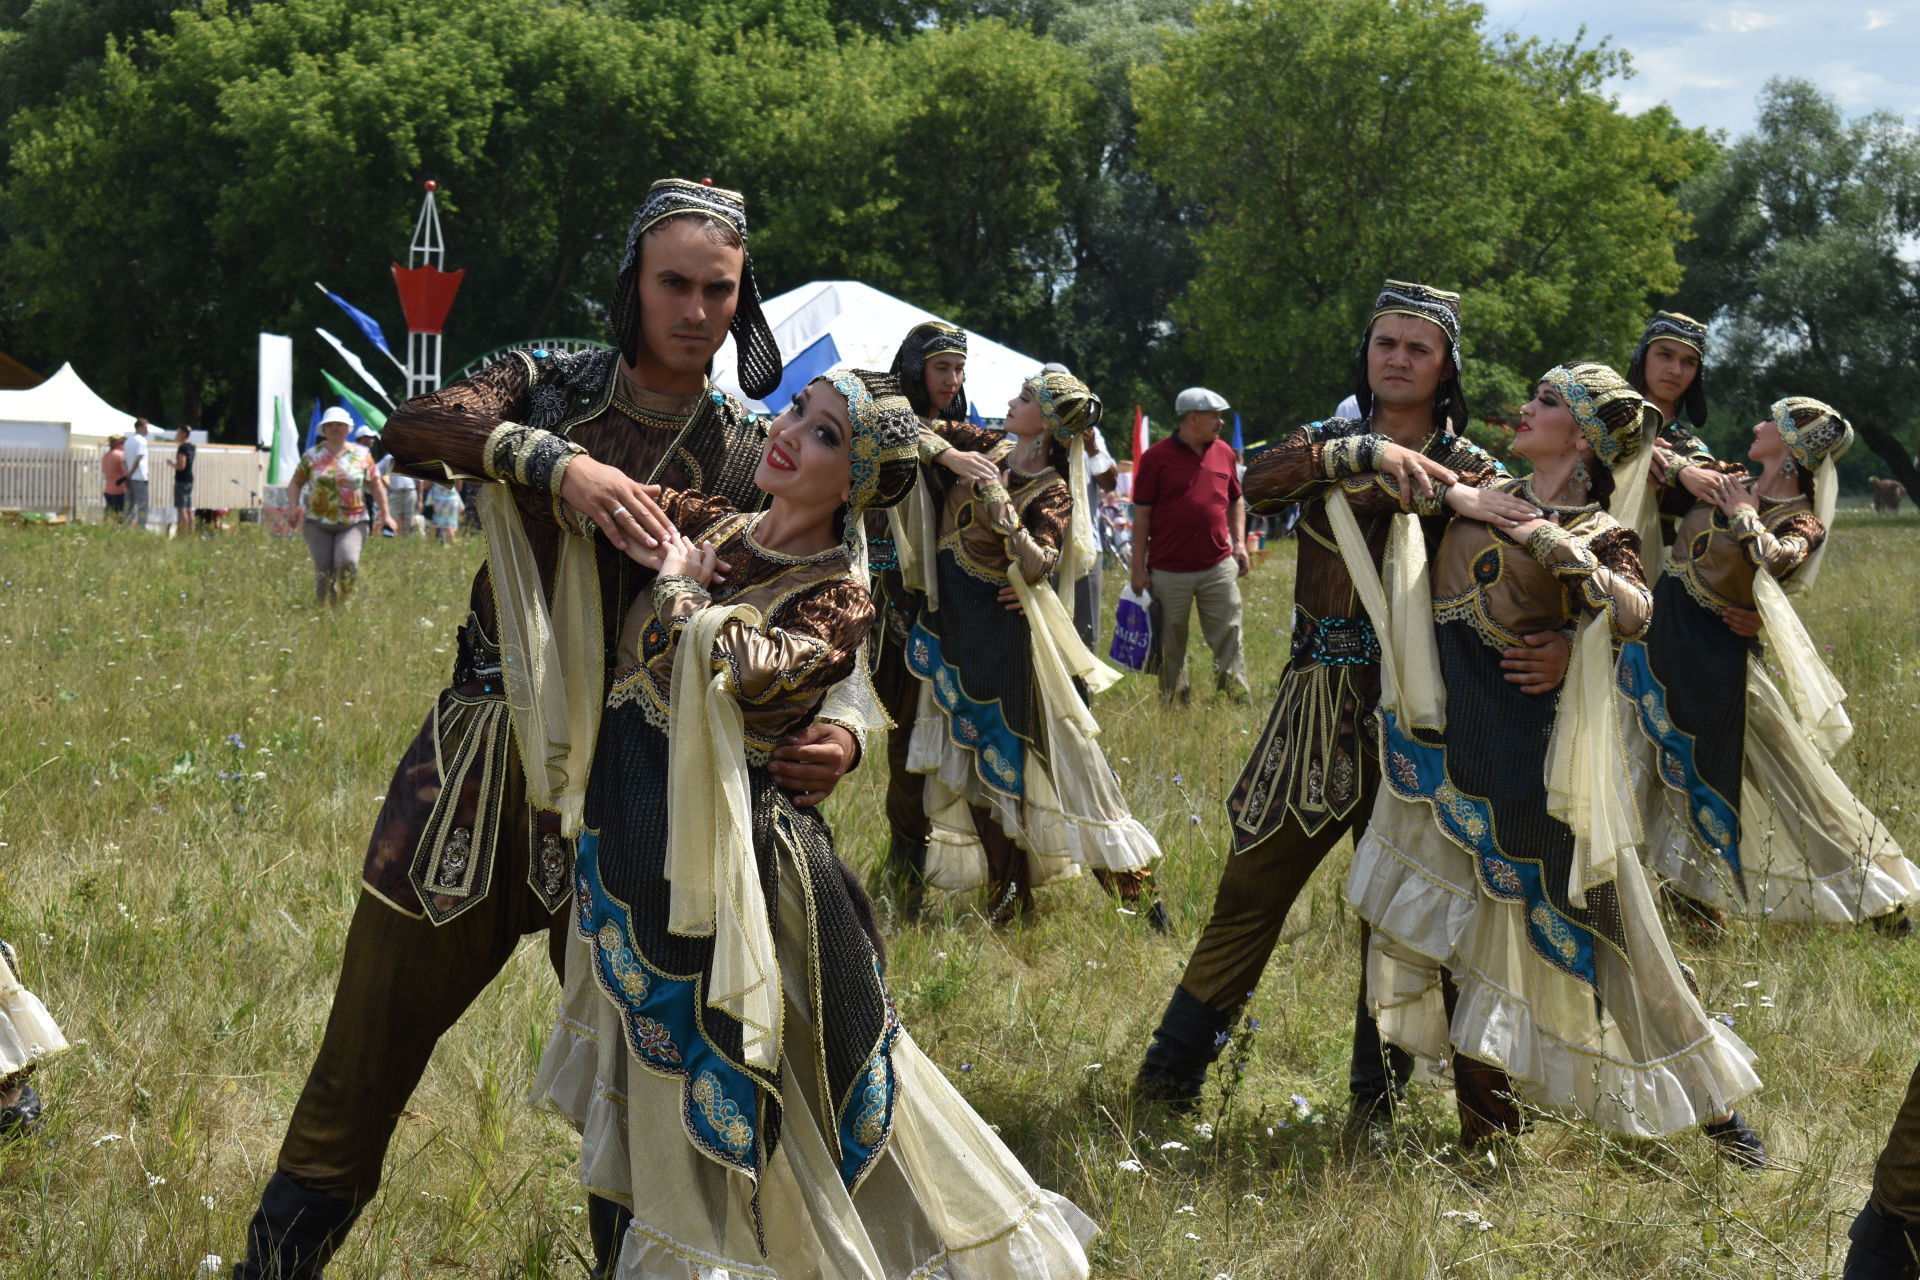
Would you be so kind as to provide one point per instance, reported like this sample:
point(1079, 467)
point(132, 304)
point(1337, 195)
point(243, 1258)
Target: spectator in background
point(136, 455)
point(403, 496)
point(113, 476)
point(1190, 543)
point(337, 477)
point(183, 451)
point(445, 500)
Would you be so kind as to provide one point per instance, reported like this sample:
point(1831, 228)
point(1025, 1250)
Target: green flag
point(278, 464)
point(363, 406)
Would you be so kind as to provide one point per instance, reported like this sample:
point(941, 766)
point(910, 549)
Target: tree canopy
point(1156, 192)
point(1803, 260)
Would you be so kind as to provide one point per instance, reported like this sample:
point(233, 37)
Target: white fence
point(225, 477)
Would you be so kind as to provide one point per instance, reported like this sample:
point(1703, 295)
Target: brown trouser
point(403, 982)
point(1896, 1175)
point(1257, 889)
point(899, 691)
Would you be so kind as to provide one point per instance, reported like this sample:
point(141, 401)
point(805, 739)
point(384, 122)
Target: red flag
point(1139, 435)
point(426, 295)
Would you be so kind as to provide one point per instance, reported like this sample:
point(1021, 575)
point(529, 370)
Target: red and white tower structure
point(427, 291)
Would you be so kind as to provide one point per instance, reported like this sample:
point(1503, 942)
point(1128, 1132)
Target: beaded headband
point(1066, 404)
point(1437, 306)
point(885, 435)
point(1812, 430)
point(1671, 324)
point(671, 197)
point(1590, 390)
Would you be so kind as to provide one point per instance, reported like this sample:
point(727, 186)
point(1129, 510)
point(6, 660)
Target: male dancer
point(460, 867)
point(932, 366)
point(1313, 776)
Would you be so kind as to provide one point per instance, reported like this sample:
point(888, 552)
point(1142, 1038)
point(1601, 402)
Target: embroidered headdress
point(1812, 430)
point(886, 436)
point(760, 365)
point(1611, 414)
point(924, 340)
point(1687, 331)
point(1438, 307)
point(1066, 403)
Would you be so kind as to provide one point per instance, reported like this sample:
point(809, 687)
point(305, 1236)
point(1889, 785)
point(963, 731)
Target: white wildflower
point(1133, 1166)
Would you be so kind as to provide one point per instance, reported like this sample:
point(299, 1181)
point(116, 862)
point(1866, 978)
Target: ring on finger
point(618, 511)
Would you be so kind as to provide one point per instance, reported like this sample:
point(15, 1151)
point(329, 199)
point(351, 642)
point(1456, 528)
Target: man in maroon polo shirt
point(1190, 543)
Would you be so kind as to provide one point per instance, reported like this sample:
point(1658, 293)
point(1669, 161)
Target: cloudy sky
point(1708, 60)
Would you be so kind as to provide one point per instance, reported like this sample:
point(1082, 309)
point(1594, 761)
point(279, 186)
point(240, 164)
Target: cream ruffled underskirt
point(945, 1201)
point(1810, 852)
point(1648, 1062)
point(28, 1033)
point(1089, 826)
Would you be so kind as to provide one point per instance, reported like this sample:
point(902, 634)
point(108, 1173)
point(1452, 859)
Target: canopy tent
point(845, 322)
point(35, 415)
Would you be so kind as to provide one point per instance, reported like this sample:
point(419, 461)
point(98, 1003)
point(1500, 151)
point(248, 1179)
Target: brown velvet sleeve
point(811, 646)
point(1601, 574)
point(1374, 493)
point(964, 435)
point(1783, 548)
point(442, 434)
point(1044, 526)
point(693, 512)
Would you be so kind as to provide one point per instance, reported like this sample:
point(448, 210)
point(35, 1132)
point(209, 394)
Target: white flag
point(353, 362)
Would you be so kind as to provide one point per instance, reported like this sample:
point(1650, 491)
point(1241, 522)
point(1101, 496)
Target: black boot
point(19, 1118)
point(1187, 1041)
point(294, 1233)
point(1737, 1143)
point(607, 1223)
point(1882, 1249)
point(1377, 1074)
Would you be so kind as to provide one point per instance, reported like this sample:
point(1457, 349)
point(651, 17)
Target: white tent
point(62, 410)
point(866, 326)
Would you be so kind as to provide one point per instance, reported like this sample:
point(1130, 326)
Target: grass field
point(191, 759)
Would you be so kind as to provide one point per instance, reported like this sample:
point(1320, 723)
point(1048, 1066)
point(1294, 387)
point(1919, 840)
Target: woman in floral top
point(337, 478)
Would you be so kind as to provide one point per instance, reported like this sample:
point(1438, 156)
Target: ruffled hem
point(1057, 842)
point(1687, 1089)
point(1046, 1239)
point(1792, 893)
point(28, 1034)
point(1050, 1240)
point(1423, 923)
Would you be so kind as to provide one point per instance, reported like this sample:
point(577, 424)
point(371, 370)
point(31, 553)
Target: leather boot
point(294, 1233)
point(1882, 1249)
point(1187, 1042)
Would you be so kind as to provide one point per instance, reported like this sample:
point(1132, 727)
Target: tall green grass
point(180, 900)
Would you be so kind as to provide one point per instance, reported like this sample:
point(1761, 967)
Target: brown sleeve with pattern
point(1783, 548)
point(964, 435)
point(1044, 528)
point(692, 511)
point(1292, 471)
point(811, 647)
point(442, 434)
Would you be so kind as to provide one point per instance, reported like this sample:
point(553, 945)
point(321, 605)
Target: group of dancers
point(689, 623)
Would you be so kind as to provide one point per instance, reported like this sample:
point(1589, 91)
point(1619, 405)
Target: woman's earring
point(1789, 468)
point(1580, 474)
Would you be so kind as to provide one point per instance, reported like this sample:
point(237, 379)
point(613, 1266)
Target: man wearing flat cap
point(1190, 543)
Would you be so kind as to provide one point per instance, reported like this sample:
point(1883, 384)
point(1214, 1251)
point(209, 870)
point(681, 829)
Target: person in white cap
point(1190, 542)
point(338, 478)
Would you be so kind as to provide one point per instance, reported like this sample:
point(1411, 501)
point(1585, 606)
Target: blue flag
point(1238, 445)
point(973, 415)
point(313, 427)
point(801, 370)
point(368, 325)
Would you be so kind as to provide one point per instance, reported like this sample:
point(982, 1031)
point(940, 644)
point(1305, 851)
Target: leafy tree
point(1334, 146)
point(266, 149)
point(1802, 259)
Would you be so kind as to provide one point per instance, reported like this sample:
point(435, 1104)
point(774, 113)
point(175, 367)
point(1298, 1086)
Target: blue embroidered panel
point(1714, 820)
point(866, 1114)
point(1417, 771)
point(660, 1014)
point(979, 727)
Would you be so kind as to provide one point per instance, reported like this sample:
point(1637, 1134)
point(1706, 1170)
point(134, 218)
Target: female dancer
point(1018, 791)
point(28, 1037)
point(726, 1044)
point(1751, 816)
point(1512, 924)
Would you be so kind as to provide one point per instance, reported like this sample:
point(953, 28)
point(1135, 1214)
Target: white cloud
point(1741, 21)
point(1878, 18)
